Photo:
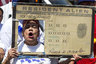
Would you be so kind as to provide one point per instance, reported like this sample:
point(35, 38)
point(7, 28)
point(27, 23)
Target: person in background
point(87, 2)
point(1, 50)
point(6, 10)
point(1, 17)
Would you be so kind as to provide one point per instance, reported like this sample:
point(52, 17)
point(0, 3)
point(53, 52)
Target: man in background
point(1, 17)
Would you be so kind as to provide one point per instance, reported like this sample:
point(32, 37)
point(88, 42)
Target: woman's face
point(31, 33)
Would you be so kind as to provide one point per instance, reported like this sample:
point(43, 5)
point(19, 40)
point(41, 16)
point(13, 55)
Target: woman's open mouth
point(30, 35)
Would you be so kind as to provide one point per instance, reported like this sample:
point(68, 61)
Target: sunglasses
point(33, 25)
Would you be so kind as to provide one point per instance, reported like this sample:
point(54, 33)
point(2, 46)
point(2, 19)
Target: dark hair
point(27, 21)
point(26, 1)
point(1, 10)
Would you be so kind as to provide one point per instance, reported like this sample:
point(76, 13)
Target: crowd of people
point(29, 42)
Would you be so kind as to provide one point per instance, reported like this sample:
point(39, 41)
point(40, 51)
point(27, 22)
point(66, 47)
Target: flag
point(3, 2)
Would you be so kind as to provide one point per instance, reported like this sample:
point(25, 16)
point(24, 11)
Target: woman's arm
point(71, 60)
point(6, 61)
point(12, 53)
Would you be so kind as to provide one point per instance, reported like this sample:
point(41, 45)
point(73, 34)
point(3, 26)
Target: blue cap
point(79, 1)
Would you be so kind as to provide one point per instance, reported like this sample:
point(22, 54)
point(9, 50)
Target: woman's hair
point(28, 21)
point(25, 22)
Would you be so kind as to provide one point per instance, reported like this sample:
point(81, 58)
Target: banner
point(68, 29)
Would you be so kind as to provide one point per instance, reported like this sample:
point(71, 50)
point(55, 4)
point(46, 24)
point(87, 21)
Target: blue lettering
point(22, 61)
point(42, 59)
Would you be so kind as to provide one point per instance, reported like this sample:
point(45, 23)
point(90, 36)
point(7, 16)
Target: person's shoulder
point(9, 20)
point(7, 25)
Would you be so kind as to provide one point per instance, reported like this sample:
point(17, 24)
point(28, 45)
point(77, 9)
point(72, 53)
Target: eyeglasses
point(33, 25)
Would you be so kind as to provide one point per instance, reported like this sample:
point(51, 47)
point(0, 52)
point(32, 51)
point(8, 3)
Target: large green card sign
point(68, 29)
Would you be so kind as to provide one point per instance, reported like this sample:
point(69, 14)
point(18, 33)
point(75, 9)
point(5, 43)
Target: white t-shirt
point(32, 61)
point(25, 48)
